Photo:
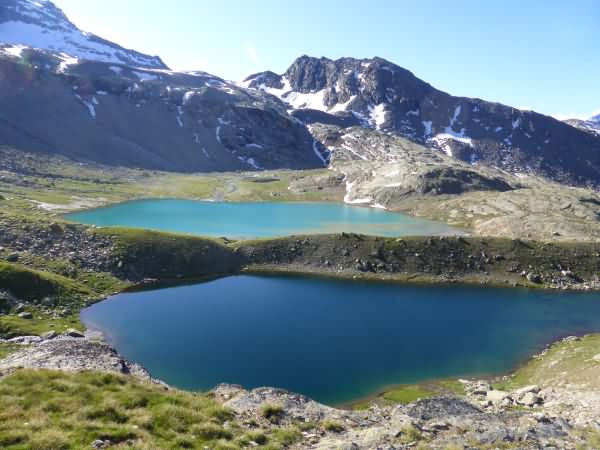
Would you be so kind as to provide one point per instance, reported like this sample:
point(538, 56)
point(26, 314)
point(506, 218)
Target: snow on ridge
point(341, 107)
point(66, 62)
point(427, 125)
point(15, 50)
point(441, 139)
point(62, 37)
point(312, 100)
point(377, 114)
point(144, 76)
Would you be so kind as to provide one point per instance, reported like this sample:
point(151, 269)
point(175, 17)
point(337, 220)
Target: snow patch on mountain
point(378, 115)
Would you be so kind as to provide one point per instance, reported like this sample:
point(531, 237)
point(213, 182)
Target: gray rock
point(49, 335)
point(534, 278)
point(71, 354)
point(13, 257)
point(524, 390)
point(72, 332)
point(25, 315)
point(529, 399)
point(497, 397)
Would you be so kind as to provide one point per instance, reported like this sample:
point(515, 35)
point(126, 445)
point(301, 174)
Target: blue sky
point(541, 55)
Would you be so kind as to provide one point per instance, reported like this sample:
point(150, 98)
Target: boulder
point(13, 257)
point(497, 397)
point(49, 335)
point(534, 278)
point(26, 315)
point(527, 389)
point(529, 399)
point(72, 332)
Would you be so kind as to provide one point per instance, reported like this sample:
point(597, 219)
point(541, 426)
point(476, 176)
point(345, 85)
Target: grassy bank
point(41, 410)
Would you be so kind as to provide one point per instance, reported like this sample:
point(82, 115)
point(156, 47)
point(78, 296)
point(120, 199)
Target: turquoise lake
point(334, 340)
point(257, 219)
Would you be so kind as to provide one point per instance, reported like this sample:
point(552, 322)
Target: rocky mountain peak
point(41, 24)
point(591, 125)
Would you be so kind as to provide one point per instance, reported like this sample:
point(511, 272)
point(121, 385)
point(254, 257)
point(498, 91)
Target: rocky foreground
point(562, 411)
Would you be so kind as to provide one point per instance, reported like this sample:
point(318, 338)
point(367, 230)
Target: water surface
point(257, 219)
point(334, 340)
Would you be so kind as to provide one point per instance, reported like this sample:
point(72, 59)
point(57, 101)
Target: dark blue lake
point(334, 340)
point(257, 219)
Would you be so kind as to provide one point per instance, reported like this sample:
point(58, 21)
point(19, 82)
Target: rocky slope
point(377, 94)
point(89, 99)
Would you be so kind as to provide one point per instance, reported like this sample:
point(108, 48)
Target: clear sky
point(535, 54)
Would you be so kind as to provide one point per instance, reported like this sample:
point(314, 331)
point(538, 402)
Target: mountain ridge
point(383, 96)
point(41, 24)
point(194, 121)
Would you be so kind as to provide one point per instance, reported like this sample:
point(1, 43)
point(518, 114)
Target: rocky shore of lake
point(557, 416)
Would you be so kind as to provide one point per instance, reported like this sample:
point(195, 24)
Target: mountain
point(125, 108)
point(73, 93)
point(591, 125)
point(377, 94)
point(40, 24)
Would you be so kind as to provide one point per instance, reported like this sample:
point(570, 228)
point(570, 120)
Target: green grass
point(407, 394)
point(12, 326)
point(43, 409)
point(410, 434)
point(33, 285)
point(333, 426)
point(564, 362)
point(47, 410)
point(168, 256)
point(271, 412)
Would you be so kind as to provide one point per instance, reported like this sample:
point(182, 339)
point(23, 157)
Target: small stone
point(99, 443)
point(26, 315)
point(13, 257)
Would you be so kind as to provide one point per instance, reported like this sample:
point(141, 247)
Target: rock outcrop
point(69, 352)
